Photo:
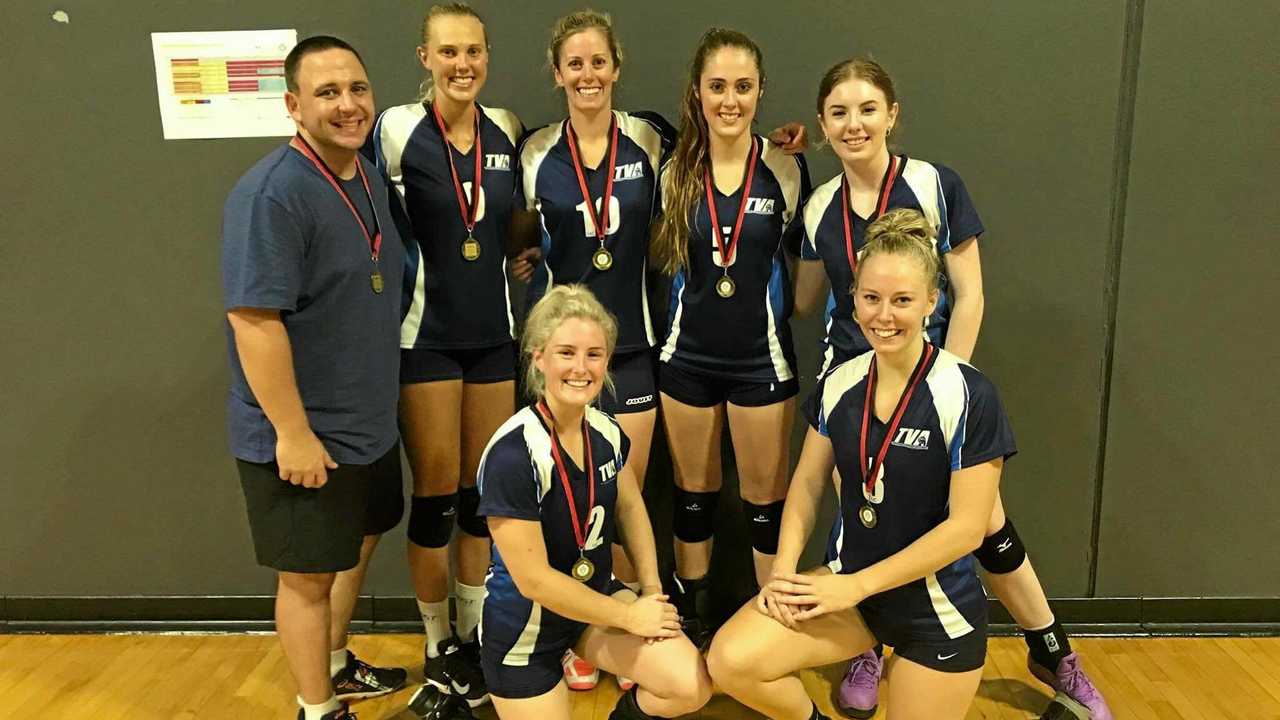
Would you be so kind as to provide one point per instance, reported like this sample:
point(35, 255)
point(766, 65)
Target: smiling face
point(333, 104)
point(729, 90)
point(574, 363)
point(586, 70)
point(457, 57)
point(856, 119)
point(892, 298)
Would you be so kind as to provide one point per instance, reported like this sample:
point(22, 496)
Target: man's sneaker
point(452, 673)
point(358, 679)
point(859, 692)
point(428, 703)
point(342, 713)
point(697, 631)
point(578, 673)
point(1071, 681)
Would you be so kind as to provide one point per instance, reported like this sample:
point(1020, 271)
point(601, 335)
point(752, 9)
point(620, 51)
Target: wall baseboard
point(374, 614)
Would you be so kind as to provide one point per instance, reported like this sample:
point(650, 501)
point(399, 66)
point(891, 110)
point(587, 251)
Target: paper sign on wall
point(222, 84)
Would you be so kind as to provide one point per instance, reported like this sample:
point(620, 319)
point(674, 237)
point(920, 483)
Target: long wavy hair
point(682, 185)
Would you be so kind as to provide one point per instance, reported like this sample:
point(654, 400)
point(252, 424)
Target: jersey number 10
point(614, 217)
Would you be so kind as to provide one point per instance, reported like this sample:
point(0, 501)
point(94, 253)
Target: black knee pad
point(468, 504)
point(764, 523)
point(1003, 551)
point(431, 519)
point(695, 515)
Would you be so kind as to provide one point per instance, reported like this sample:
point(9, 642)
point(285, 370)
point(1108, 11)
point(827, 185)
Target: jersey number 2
point(595, 528)
point(614, 217)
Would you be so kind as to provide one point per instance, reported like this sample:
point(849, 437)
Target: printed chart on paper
point(222, 84)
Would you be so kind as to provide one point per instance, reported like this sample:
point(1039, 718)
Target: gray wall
point(117, 482)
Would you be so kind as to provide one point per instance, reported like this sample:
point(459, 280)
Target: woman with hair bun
point(918, 438)
point(556, 490)
point(858, 109)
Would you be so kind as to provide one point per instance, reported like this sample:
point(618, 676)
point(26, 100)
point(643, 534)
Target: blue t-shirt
point(746, 336)
point(452, 302)
point(549, 185)
point(290, 243)
point(937, 192)
point(954, 421)
point(518, 479)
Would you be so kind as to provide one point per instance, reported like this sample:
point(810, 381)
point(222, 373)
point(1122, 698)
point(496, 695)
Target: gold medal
point(602, 259)
point(582, 570)
point(470, 249)
point(867, 515)
point(376, 281)
point(725, 287)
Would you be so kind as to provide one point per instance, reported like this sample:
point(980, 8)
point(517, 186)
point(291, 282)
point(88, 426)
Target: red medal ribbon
point(886, 187)
point(582, 176)
point(468, 212)
point(579, 529)
point(726, 256)
point(375, 241)
point(869, 474)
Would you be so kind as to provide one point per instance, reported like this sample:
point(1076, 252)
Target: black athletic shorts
point(962, 654)
point(319, 530)
point(492, 364)
point(707, 390)
point(635, 386)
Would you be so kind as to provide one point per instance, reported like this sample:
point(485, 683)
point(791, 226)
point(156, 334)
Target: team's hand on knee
point(522, 265)
point(303, 460)
point(811, 596)
point(768, 603)
point(652, 617)
point(791, 137)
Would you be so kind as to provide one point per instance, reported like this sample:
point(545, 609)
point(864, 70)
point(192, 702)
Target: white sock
point(316, 712)
point(470, 603)
point(337, 661)
point(435, 619)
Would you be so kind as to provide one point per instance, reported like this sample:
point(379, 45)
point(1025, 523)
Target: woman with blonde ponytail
point(919, 439)
point(454, 164)
point(731, 202)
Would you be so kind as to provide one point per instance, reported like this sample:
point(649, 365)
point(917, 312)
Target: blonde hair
point(902, 231)
point(427, 90)
point(682, 178)
point(580, 21)
point(562, 302)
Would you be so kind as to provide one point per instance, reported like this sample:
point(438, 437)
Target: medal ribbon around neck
point(375, 240)
point(727, 254)
point(869, 474)
point(882, 204)
point(468, 212)
point(582, 176)
point(579, 529)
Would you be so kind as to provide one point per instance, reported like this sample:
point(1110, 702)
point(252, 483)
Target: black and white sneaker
point(453, 672)
point(342, 713)
point(428, 703)
point(359, 680)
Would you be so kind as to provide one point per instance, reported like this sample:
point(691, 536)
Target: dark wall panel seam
point(1130, 56)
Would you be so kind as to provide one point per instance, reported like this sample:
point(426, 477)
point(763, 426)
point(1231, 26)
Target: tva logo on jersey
point(911, 438)
point(630, 171)
point(760, 206)
point(497, 161)
point(608, 471)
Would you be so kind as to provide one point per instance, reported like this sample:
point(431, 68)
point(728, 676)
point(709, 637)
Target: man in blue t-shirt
point(311, 270)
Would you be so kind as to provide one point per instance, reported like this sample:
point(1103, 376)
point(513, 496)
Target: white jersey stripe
point(953, 623)
point(673, 336)
point(518, 655)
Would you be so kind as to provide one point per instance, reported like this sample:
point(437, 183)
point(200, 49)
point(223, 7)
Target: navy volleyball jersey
point(518, 479)
point(936, 191)
point(746, 336)
point(449, 301)
point(954, 421)
point(550, 186)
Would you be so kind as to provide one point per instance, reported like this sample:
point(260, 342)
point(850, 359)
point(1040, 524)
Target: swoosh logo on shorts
point(947, 657)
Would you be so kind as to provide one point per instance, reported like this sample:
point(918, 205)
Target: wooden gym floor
point(243, 677)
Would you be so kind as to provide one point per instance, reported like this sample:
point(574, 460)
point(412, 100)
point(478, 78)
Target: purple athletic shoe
point(1072, 682)
point(859, 692)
